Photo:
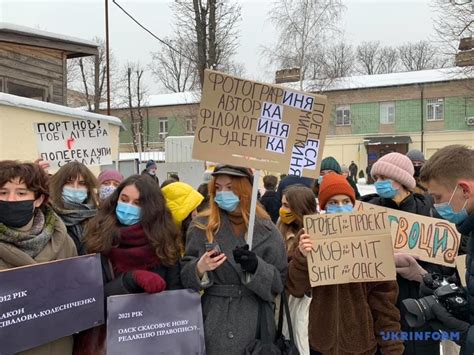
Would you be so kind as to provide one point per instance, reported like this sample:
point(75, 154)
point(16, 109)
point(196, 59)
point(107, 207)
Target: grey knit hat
point(415, 155)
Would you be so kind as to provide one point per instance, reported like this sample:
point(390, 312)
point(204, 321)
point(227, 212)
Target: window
point(435, 109)
point(163, 122)
point(25, 89)
point(343, 115)
point(190, 125)
point(387, 112)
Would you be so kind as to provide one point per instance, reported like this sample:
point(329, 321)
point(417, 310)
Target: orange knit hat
point(334, 184)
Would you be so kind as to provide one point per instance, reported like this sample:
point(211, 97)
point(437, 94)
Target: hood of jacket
point(181, 199)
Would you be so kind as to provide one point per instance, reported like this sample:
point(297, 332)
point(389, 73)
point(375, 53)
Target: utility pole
point(107, 50)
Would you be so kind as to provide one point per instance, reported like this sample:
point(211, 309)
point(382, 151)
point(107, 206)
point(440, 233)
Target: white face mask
point(106, 191)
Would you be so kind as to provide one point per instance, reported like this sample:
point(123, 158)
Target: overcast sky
point(391, 22)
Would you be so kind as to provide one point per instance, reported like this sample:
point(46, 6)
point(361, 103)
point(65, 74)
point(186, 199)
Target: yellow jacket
point(181, 199)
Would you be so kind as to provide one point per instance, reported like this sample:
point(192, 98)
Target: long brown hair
point(302, 202)
point(69, 172)
point(243, 189)
point(103, 231)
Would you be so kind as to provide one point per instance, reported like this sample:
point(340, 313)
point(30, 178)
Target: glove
point(446, 322)
point(246, 258)
point(149, 281)
point(408, 268)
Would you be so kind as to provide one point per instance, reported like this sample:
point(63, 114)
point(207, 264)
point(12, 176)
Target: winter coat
point(272, 205)
point(418, 204)
point(354, 187)
point(467, 228)
point(231, 297)
point(181, 200)
point(59, 247)
point(347, 319)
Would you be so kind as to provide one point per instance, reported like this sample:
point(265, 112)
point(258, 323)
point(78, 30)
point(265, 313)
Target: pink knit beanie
point(110, 174)
point(397, 167)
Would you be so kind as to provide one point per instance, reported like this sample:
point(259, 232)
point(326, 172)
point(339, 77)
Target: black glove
point(446, 322)
point(246, 258)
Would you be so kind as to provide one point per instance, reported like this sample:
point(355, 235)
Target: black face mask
point(16, 214)
point(417, 171)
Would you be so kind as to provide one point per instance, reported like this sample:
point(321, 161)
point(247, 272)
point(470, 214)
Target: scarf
point(75, 213)
point(134, 251)
point(33, 241)
point(467, 226)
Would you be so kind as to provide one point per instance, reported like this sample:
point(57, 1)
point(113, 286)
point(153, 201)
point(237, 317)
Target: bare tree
point(389, 60)
point(368, 55)
point(337, 61)
point(420, 55)
point(453, 20)
point(173, 68)
point(210, 26)
point(85, 69)
point(134, 96)
point(304, 26)
point(372, 58)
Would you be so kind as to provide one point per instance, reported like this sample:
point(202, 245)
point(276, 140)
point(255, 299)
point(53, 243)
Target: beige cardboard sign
point(461, 267)
point(434, 240)
point(261, 126)
point(350, 247)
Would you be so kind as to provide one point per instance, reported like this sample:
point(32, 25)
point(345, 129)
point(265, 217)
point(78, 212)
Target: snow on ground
point(365, 189)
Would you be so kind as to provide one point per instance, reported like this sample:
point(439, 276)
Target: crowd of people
point(153, 238)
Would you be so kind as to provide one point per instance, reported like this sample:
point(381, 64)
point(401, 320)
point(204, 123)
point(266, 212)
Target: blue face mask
point(339, 209)
point(73, 195)
point(227, 200)
point(446, 211)
point(128, 214)
point(385, 189)
point(320, 179)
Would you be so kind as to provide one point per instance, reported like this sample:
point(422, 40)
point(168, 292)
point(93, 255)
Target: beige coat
point(60, 246)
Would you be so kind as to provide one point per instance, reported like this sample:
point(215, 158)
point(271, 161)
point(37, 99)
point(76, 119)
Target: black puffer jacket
point(418, 204)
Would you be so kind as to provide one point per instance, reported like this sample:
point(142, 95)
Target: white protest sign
point(85, 141)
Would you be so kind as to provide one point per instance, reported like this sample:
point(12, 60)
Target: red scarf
point(134, 251)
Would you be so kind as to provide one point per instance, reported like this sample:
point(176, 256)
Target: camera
point(444, 291)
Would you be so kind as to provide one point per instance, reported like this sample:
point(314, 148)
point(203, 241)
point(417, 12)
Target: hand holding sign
point(149, 281)
point(305, 245)
point(408, 268)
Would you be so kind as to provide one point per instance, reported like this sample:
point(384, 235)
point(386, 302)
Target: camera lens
point(418, 312)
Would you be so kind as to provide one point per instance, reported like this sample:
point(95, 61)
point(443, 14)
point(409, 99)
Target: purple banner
point(166, 323)
point(44, 302)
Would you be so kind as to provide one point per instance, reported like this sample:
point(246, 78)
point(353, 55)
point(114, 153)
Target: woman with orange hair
point(238, 283)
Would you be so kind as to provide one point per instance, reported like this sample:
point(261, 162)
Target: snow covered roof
point(10, 27)
point(36, 105)
point(72, 46)
point(386, 80)
point(178, 98)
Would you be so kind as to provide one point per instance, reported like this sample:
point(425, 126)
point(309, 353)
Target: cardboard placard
point(461, 267)
point(85, 141)
point(434, 240)
point(260, 126)
point(349, 247)
point(44, 302)
point(170, 321)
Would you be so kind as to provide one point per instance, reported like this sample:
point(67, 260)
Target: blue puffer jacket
point(467, 228)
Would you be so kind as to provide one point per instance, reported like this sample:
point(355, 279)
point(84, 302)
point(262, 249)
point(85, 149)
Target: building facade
point(378, 114)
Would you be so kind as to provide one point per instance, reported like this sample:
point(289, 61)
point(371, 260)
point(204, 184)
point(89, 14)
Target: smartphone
point(214, 246)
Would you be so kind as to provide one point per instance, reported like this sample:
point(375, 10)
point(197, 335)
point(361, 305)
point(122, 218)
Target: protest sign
point(45, 302)
point(170, 321)
point(85, 141)
point(431, 239)
point(261, 126)
point(461, 267)
point(349, 247)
